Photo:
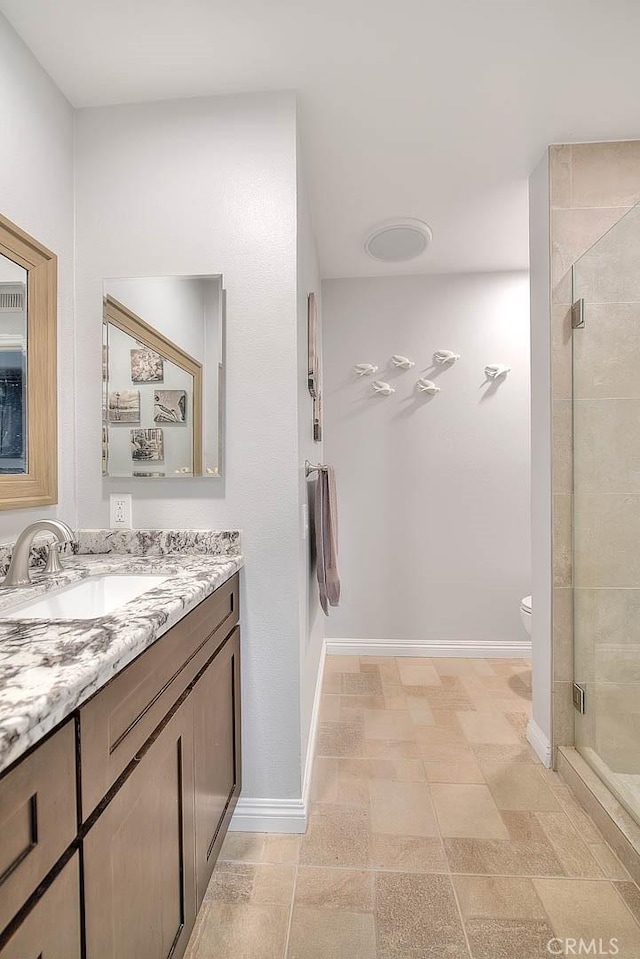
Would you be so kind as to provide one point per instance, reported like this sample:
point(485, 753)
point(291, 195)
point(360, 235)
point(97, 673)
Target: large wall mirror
point(28, 388)
point(163, 376)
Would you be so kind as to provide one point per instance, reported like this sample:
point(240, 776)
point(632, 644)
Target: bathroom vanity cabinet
point(114, 823)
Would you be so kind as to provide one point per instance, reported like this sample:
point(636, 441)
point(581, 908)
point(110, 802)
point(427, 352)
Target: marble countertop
point(48, 668)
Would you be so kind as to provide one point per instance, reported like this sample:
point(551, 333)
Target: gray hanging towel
point(326, 524)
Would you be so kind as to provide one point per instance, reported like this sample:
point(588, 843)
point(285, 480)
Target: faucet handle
point(54, 563)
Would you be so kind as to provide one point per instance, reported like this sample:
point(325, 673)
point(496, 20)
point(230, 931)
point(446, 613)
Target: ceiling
point(434, 109)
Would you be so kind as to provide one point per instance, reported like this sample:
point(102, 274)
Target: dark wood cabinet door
point(216, 711)
point(138, 856)
point(52, 929)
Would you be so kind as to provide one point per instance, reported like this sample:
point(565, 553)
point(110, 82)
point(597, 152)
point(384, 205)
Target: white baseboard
point(539, 742)
point(469, 649)
point(269, 815)
point(284, 815)
point(313, 730)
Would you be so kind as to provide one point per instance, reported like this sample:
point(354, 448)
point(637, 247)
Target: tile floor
point(434, 833)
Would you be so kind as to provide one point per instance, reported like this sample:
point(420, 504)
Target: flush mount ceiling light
point(398, 240)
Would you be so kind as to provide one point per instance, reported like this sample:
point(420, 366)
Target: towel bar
point(312, 467)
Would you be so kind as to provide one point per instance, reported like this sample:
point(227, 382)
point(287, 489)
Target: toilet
point(525, 613)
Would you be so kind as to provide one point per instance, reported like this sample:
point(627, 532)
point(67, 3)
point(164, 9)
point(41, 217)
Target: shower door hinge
point(577, 314)
point(579, 697)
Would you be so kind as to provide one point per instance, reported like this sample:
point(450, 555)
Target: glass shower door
point(606, 519)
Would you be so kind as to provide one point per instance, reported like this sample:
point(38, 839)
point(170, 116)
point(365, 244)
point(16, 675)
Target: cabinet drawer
point(37, 818)
point(119, 719)
point(52, 929)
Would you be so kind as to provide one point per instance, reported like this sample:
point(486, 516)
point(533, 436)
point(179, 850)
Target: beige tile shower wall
point(592, 186)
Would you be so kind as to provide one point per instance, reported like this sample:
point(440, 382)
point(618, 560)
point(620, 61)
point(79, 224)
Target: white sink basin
point(88, 599)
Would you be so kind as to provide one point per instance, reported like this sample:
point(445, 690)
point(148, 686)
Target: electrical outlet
point(121, 511)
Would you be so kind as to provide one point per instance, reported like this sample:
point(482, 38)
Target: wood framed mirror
point(28, 370)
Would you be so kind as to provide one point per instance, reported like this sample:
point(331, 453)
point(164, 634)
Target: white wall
point(197, 187)
point(311, 616)
point(433, 494)
point(541, 475)
point(36, 192)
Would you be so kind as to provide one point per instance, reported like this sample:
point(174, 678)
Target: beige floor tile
point(492, 857)
point(342, 664)
point(387, 724)
point(446, 752)
point(467, 810)
point(443, 744)
point(608, 861)
point(631, 895)
point(365, 683)
point(585, 909)
point(273, 884)
point(337, 836)
point(439, 735)
point(497, 897)
point(417, 918)
point(398, 770)
point(408, 853)
point(521, 787)
point(243, 847)
point(445, 699)
point(231, 882)
point(389, 672)
point(418, 672)
point(282, 847)
point(520, 722)
point(260, 883)
point(340, 739)
point(394, 696)
point(509, 938)
point(522, 824)
point(576, 857)
point(486, 726)
point(330, 709)
point(348, 935)
point(453, 772)
point(346, 889)
point(463, 667)
point(324, 782)
point(490, 753)
point(240, 931)
point(580, 819)
point(420, 711)
point(391, 748)
point(353, 792)
point(403, 809)
point(446, 717)
point(364, 701)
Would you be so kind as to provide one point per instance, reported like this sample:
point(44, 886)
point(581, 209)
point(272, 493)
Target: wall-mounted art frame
point(118, 315)
point(38, 485)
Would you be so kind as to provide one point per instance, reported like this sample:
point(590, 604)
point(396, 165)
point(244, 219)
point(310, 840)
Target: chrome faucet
point(18, 573)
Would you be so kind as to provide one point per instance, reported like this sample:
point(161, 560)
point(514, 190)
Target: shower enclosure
point(606, 513)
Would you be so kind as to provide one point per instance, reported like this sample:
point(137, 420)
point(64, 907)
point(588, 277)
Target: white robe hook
point(446, 356)
point(365, 369)
point(495, 370)
point(427, 386)
point(381, 388)
point(402, 362)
